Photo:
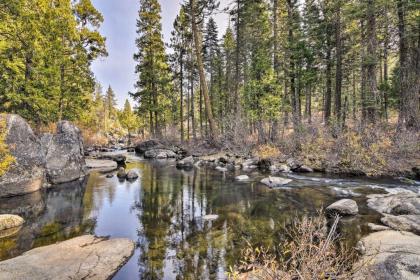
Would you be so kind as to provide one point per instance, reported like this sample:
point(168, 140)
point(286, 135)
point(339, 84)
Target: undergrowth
point(6, 159)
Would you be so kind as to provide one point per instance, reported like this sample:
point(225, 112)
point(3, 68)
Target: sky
point(119, 27)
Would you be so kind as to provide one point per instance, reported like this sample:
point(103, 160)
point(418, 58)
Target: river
point(164, 212)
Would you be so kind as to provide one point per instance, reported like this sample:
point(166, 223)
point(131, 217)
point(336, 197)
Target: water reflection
point(163, 212)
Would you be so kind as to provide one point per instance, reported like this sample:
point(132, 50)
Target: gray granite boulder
point(344, 207)
point(389, 255)
point(64, 159)
point(26, 175)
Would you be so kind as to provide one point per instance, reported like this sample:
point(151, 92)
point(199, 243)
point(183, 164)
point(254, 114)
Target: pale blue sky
point(119, 27)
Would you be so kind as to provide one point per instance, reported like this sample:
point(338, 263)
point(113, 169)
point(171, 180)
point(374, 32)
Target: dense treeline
point(280, 63)
point(46, 50)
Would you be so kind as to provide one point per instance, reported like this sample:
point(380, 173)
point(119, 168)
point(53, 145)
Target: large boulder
point(275, 182)
point(64, 159)
point(143, 147)
point(84, 257)
point(26, 175)
point(389, 255)
point(344, 207)
point(395, 204)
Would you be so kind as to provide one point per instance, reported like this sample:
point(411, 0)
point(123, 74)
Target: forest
point(284, 146)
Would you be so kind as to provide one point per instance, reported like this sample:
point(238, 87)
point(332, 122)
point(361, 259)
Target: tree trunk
point(339, 71)
point(203, 82)
point(371, 62)
point(181, 86)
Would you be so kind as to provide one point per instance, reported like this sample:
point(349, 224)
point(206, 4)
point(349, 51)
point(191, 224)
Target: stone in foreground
point(10, 221)
point(344, 207)
point(403, 222)
point(84, 257)
point(132, 175)
point(390, 255)
point(275, 182)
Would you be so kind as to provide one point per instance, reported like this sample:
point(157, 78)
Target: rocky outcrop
point(84, 257)
point(401, 211)
point(27, 174)
point(65, 160)
point(275, 182)
point(389, 255)
point(145, 146)
point(52, 159)
point(344, 207)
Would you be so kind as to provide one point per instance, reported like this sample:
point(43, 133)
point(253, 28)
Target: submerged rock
point(275, 182)
point(344, 207)
point(65, 161)
point(242, 178)
point(389, 255)
point(303, 169)
point(27, 173)
point(84, 257)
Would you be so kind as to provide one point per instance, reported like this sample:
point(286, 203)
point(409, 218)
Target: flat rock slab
point(84, 257)
point(390, 255)
point(101, 165)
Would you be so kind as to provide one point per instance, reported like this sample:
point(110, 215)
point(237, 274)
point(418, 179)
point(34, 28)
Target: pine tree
point(152, 68)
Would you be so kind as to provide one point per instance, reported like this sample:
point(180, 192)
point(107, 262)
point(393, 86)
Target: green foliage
point(45, 55)
point(6, 159)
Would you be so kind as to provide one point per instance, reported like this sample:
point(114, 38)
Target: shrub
point(267, 151)
point(309, 252)
point(6, 159)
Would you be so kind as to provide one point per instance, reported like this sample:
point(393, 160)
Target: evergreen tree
point(154, 79)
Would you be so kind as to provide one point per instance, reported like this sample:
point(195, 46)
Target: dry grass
point(310, 252)
point(267, 151)
point(6, 159)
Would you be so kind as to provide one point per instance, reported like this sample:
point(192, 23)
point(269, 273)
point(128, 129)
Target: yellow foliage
point(267, 151)
point(6, 159)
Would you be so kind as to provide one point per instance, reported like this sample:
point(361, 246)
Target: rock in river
point(65, 160)
point(344, 207)
point(275, 182)
point(242, 178)
point(403, 222)
point(101, 165)
point(390, 255)
point(395, 204)
point(27, 173)
point(121, 173)
point(159, 154)
point(10, 221)
point(132, 175)
point(186, 163)
point(84, 257)
point(145, 146)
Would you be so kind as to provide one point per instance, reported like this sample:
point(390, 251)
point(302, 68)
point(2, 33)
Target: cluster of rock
point(41, 161)
point(131, 175)
point(153, 149)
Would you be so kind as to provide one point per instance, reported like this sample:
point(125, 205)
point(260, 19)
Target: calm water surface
point(163, 213)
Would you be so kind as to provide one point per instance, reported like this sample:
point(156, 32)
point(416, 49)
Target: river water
point(164, 212)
